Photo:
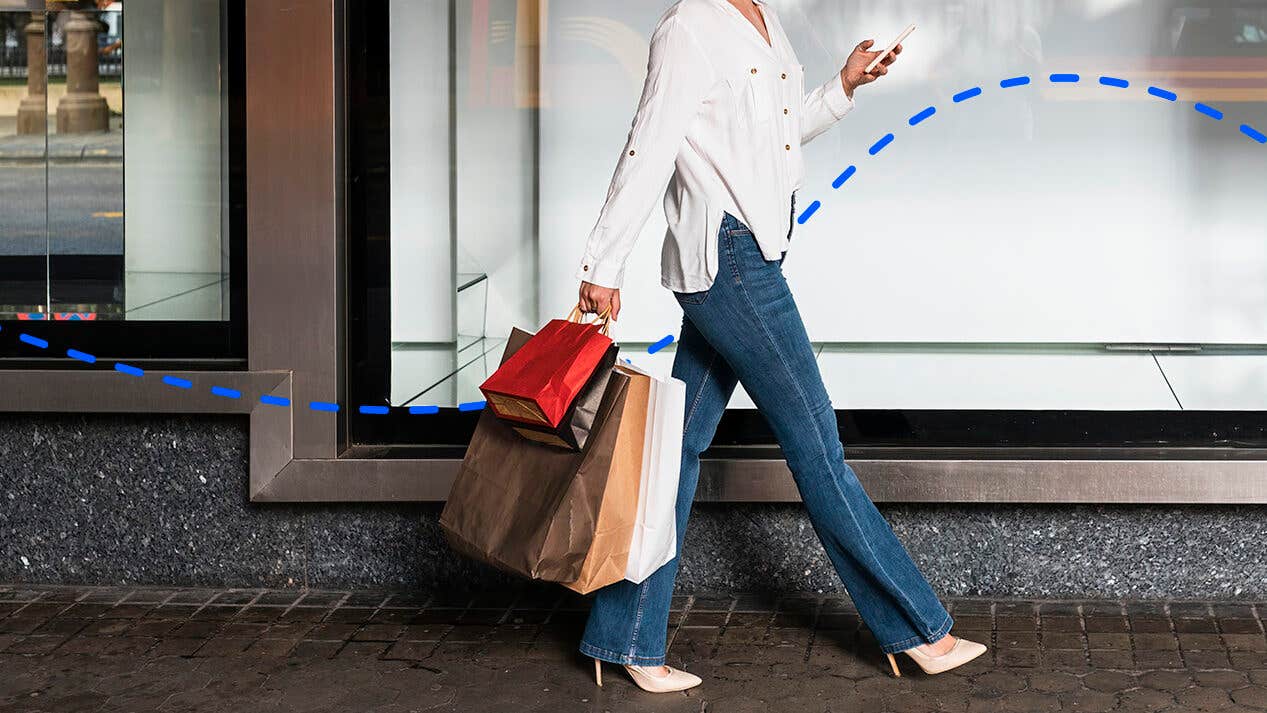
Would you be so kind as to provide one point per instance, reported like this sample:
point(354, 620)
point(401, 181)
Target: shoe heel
point(598, 672)
point(893, 664)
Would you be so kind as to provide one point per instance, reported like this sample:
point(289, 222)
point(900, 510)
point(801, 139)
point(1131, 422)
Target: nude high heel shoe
point(961, 653)
point(675, 680)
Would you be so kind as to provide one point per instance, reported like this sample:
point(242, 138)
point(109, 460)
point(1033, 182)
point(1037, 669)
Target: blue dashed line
point(323, 406)
point(878, 146)
point(270, 400)
point(1163, 94)
point(967, 94)
point(1208, 111)
point(1014, 82)
point(1253, 133)
point(423, 410)
point(178, 382)
point(226, 392)
point(915, 120)
point(33, 341)
point(1064, 78)
point(845, 176)
point(1114, 82)
point(809, 212)
point(128, 369)
point(374, 410)
point(666, 341)
point(472, 406)
point(76, 354)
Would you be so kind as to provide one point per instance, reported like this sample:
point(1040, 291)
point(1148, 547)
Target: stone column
point(83, 109)
point(33, 109)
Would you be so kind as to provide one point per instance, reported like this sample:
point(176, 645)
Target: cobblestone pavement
point(124, 649)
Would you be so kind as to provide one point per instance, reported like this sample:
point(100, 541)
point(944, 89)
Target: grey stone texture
point(163, 500)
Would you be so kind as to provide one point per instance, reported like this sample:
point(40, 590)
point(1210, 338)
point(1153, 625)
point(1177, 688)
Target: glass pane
point(23, 108)
point(1065, 242)
point(136, 179)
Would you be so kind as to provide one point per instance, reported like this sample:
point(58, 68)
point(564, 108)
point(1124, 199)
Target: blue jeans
point(746, 328)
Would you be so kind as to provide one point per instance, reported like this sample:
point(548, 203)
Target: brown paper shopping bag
point(529, 508)
point(608, 556)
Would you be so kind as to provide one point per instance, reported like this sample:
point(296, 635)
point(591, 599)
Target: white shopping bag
point(655, 531)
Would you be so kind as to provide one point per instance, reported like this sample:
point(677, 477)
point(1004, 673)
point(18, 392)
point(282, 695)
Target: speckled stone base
point(162, 500)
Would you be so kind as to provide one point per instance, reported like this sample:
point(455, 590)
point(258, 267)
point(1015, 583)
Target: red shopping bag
point(539, 382)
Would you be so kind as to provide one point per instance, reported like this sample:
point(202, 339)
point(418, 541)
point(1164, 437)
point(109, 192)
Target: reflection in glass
point(23, 108)
point(80, 236)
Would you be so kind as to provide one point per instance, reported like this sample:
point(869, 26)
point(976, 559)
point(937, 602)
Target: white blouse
point(721, 121)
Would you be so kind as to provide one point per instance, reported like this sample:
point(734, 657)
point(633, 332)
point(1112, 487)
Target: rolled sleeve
point(679, 76)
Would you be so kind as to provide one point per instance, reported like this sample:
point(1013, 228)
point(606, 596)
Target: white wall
point(421, 244)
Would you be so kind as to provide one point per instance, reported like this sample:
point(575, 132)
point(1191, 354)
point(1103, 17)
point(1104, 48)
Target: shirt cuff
point(837, 101)
point(604, 274)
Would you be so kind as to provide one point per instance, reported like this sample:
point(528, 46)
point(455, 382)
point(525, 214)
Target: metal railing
point(13, 63)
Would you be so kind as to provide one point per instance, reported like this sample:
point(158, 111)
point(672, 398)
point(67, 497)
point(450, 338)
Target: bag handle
point(603, 319)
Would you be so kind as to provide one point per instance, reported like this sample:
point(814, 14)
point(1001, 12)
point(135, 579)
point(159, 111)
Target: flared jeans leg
point(747, 327)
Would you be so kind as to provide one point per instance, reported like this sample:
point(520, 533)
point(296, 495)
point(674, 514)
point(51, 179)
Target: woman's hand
point(595, 299)
point(853, 76)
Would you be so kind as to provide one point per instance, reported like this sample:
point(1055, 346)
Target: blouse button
point(631, 152)
point(754, 70)
point(785, 75)
point(586, 268)
point(785, 110)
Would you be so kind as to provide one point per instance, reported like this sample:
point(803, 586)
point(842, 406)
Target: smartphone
point(892, 46)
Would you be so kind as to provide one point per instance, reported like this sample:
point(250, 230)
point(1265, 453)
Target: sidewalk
point(122, 649)
point(106, 146)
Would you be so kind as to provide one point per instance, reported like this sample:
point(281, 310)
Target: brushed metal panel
point(293, 177)
point(99, 391)
point(1100, 481)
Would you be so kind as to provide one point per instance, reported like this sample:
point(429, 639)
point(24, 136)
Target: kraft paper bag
point(654, 540)
point(528, 508)
point(608, 556)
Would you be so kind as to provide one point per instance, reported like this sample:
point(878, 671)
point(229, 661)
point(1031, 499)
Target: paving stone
point(1166, 680)
point(1156, 642)
point(223, 646)
point(36, 644)
point(1073, 642)
point(1201, 698)
point(1145, 699)
point(1245, 642)
point(316, 649)
point(1251, 697)
point(1112, 659)
point(1053, 682)
point(1088, 701)
point(1108, 681)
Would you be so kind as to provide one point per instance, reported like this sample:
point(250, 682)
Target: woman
point(721, 121)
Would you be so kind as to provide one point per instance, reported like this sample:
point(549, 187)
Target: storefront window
point(1063, 244)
